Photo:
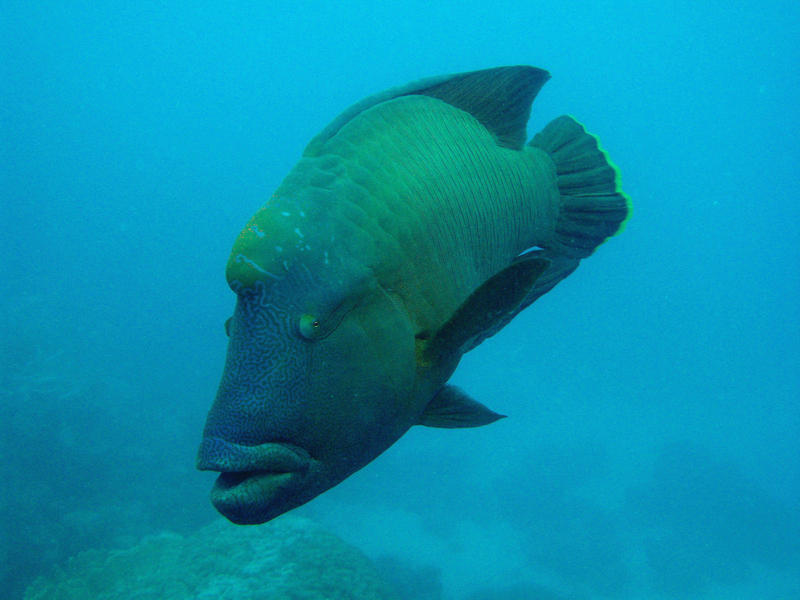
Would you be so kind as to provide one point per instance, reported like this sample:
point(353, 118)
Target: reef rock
point(289, 558)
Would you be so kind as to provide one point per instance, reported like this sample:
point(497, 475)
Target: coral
point(90, 455)
point(288, 558)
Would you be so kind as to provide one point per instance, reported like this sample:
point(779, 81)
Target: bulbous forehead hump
point(277, 236)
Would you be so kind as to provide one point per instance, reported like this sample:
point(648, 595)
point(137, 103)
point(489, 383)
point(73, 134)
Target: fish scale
point(469, 212)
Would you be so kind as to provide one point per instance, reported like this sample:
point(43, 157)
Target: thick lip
point(237, 462)
point(254, 481)
point(252, 497)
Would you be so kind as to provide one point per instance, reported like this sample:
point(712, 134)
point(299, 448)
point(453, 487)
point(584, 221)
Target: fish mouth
point(221, 455)
point(256, 483)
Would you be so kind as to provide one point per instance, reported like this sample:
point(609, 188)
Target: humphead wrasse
point(416, 225)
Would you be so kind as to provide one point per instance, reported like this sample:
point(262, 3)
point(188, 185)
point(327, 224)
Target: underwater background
point(652, 448)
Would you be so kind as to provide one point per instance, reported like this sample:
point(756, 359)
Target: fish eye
point(309, 327)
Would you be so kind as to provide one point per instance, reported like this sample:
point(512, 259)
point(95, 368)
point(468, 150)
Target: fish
point(416, 225)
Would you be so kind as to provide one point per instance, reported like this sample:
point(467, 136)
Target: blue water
point(652, 445)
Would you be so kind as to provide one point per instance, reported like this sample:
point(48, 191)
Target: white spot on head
point(241, 258)
point(286, 214)
point(255, 229)
point(298, 232)
point(278, 249)
point(302, 214)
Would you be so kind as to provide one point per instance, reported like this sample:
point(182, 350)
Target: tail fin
point(593, 207)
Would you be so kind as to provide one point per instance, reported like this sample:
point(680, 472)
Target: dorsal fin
point(499, 98)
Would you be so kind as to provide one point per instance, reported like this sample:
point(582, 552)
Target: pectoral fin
point(452, 408)
point(486, 310)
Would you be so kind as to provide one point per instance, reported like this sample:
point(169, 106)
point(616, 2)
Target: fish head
point(318, 381)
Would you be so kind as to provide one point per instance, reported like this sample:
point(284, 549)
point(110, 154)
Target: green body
point(415, 226)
